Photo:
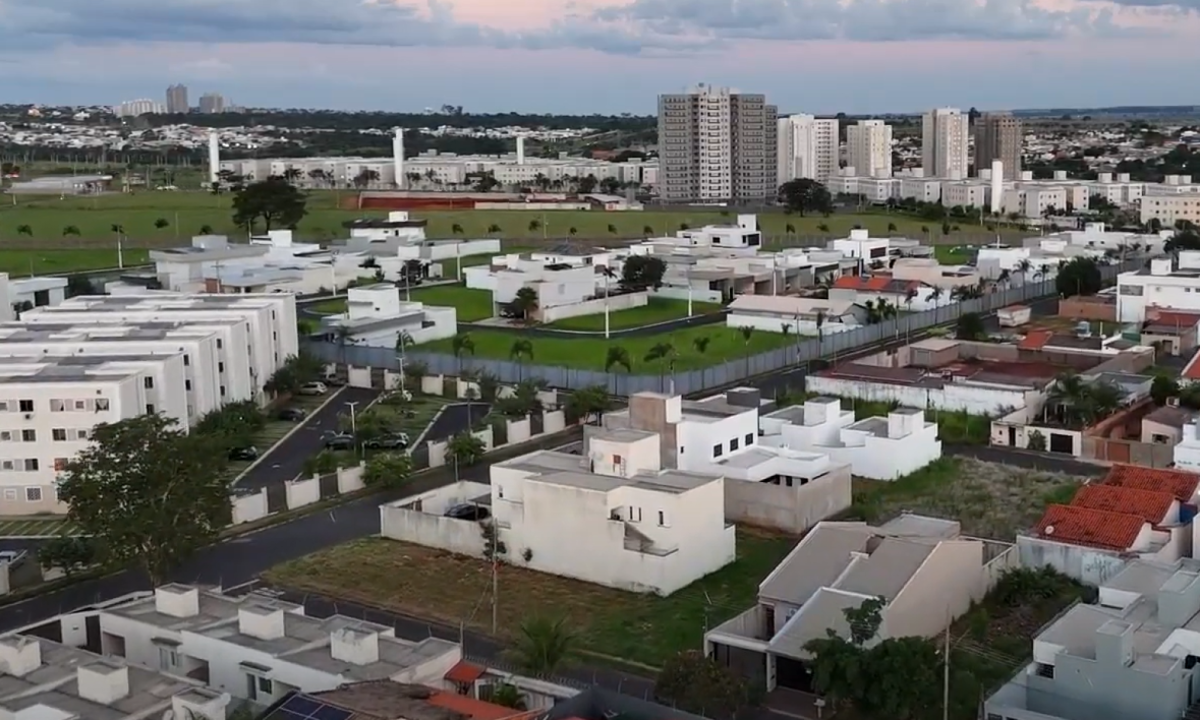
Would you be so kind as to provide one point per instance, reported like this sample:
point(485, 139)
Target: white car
point(313, 388)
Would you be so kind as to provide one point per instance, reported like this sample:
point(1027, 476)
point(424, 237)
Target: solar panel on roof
point(303, 707)
point(328, 712)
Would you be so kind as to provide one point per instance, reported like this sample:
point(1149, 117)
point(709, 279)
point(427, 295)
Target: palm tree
point(1024, 267)
point(521, 349)
point(891, 227)
point(206, 230)
point(700, 344)
point(747, 331)
point(404, 340)
point(494, 229)
point(617, 356)
point(822, 227)
point(456, 229)
point(608, 274)
point(460, 344)
point(572, 231)
point(647, 230)
point(525, 302)
point(535, 225)
point(542, 645)
point(612, 229)
point(161, 223)
point(934, 295)
point(25, 230)
point(663, 352)
point(70, 230)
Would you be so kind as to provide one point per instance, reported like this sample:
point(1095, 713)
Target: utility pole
point(495, 577)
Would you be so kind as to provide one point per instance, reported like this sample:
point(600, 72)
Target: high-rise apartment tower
point(212, 103)
point(944, 143)
point(999, 136)
point(808, 148)
point(177, 99)
point(869, 148)
point(715, 144)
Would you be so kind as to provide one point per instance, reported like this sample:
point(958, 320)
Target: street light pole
point(354, 423)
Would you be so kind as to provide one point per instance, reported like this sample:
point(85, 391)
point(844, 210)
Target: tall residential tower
point(999, 136)
point(715, 144)
point(808, 148)
point(869, 148)
point(944, 143)
point(177, 99)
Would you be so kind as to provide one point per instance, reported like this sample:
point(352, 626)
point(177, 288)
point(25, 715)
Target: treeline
point(1181, 160)
point(328, 119)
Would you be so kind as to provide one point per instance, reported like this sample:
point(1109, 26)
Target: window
point(3, 406)
point(148, 383)
point(33, 494)
point(6, 464)
point(29, 436)
point(31, 465)
point(635, 514)
point(220, 344)
point(733, 445)
point(187, 385)
point(10, 494)
point(149, 408)
point(6, 435)
point(168, 658)
point(220, 367)
point(59, 434)
point(26, 406)
point(81, 404)
point(187, 360)
point(60, 464)
point(662, 519)
point(749, 439)
point(265, 686)
point(222, 391)
point(82, 434)
point(717, 450)
point(101, 404)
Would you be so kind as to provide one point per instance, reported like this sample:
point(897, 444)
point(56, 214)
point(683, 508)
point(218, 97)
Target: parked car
point(388, 442)
point(248, 452)
point(313, 388)
point(467, 511)
point(292, 414)
point(339, 441)
point(333, 381)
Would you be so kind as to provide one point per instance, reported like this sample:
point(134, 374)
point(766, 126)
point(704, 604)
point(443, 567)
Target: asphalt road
point(455, 419)
point(286, 460)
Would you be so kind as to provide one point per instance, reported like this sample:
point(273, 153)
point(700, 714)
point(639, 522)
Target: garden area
point(452, 589)
point(657, 310)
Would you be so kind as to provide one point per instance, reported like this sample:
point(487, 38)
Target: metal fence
point(806, 349)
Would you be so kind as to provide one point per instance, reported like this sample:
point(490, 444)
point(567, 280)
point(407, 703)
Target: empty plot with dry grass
point(440, 586)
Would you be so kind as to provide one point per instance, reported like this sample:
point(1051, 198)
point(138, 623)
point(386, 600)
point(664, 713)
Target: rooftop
point(560, 468)
point(1149, 505)
point(1086, 526)
point(386, 700)
point(1176, 482)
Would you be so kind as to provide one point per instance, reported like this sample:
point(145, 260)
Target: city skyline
point(913, 54)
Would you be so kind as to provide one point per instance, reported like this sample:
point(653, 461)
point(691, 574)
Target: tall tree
point(805, 196)
point(148, 491)
point(274, 202)
point(643, 271)
point(1079, 276)
point(697, 684)
point(521, 350)
point(525, 302)
point(543, 645)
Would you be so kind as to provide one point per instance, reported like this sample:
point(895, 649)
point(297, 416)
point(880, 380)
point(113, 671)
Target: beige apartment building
point(944, 143)
point(716, 145)
point(999, 136)
point(869, 148)
point(808, 147)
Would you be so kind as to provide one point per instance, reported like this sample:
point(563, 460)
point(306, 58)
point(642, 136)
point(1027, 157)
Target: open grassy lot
point(24, 263)
point(590, 353)
point(656, 311)
point(990, 500)
point(454, 589)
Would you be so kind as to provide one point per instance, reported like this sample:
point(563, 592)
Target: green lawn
point(471, 304)
point(453, 589)
point(656, 311)
point(952, 254)
point(23, 263)
point(589, 353)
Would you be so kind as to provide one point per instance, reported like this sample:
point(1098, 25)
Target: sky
point(607, 56)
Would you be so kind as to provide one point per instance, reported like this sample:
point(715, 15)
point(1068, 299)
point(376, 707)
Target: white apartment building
point(1031, 201)
point(47, 680)
point(267, 326)
point(808, 147)
point(1171, 206)
point(869, 148)
point(924, 189)
point(966, 193)
point(1162, 285)
point(143, 106)
point(49, 405)
point(944, 148)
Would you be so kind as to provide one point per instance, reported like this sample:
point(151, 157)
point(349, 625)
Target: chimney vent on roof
point(20, 655)
point(103, 682)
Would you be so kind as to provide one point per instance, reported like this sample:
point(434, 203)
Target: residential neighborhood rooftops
point(1149, 505)
point(1087, 526)
point(387, 700)
point(875, 283)
point(1181, 484)
point(1035, 339)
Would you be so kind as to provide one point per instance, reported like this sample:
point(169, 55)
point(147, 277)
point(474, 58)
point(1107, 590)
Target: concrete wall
point(432, 384)
point(789, 509)
point(555, 421)
point(595, 307)
point(1087, 565)
point(248, 508)
point(419, 519)
point(955, 396)
point(303, 492)
point(1087, 308)
point(359, 377)
point(518, 430)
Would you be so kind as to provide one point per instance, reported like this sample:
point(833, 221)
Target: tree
point(969, 327)
point(543, 644)
point(456, 229)
point(70, 230)
point(72, 554)
point(465, 449)
point(612, 229)
point(494, 229)
point(522, 349)
point(1074, 402)
point(206, 230)
point(617, 357)
point(1036, 441)
point(805, 196)
point(535, 225)
point(148, 491)
point(525, 302)
point(459, 344)
point(25, 230)
point(388, 470)
point(697, 684)
point(1182, 240)
point(641, 272)
point(1163, 387)
point(274, 202)
point(663, 352)
point(161, 223)
point(746, 331)
point(586, 402)
point(1078, 276)
point(507, 695)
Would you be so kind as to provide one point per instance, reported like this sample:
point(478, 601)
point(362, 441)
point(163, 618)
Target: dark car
point(467, 511)
point(244, 453)
point(339, 442)
point(292, 414)
point(390, 442)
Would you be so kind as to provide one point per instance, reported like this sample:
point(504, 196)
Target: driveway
point(286, 460)
point(455, 419)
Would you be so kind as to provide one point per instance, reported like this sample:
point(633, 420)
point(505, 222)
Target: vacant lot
point(453, 589)
point(991, 500)
point(657, 310)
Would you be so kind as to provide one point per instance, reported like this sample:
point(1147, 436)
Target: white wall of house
point(975, 399)
point(699, 441)
point(1187, 452)
point(803, 325)
point(1158, 288)
point(613, 303)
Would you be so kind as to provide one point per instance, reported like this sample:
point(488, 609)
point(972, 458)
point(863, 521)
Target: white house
point(861, 246)
point(1162, 285)
point(564, 289)
point(878, 448)
point(259, 648)
point(1187, 451)
point(375, 316)
point(802, 316)
point(37, 291)
point(47, 680)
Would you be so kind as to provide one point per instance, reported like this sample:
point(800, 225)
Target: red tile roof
point(465, 672)
point(472, 708)
point(1176, 482)
point(1192, 370)
point(876, 283)
point(1172, 317)
point(1035, 340)
point(1093, 528)
point(1149, 505)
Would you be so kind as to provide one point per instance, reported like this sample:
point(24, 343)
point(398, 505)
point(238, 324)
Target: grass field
point(23, 263)
point(471, 304)
point(656, 311)
point(185, 213)
point(454, 589)
point(589, 353)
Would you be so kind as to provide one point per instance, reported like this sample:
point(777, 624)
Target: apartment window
point(220, 344)
point(6, 435)
point(10, 494)
point(60, 464)
point(635, 514)
point(33, 494)
point(168, 658)
point(81, 404)
point(187, 385)
point(82, 434)
point(29, 436)
point(149, 408)
point(662, 519)
point(148, 383)
point(31, 465)
point(733, 445)
point(59, 434)
point(101, 404)
point(220, 367)
point(222, 391)
point(718, 450)
point(187, 360)
point(749, 439)
point(26, 406)
point(3, 406)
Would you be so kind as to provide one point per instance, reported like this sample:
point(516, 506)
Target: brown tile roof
point(1172, 317)
point(464, 672)
point(470, 707)
point(1192, 370)
point(1035, 340)
point(1092, 528)
point(1180, 484)
point(1149, 505)
point(1167, 415)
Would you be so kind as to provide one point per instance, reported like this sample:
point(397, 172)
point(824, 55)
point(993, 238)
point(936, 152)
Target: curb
point(295, 428)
